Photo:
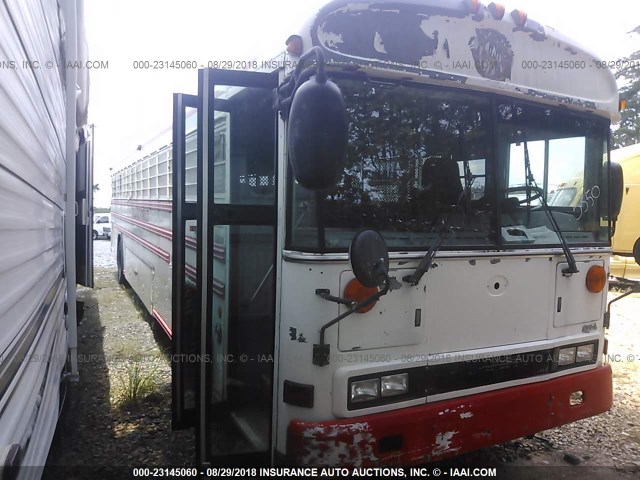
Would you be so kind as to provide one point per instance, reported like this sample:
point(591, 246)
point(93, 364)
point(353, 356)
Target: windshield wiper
point(572, 267)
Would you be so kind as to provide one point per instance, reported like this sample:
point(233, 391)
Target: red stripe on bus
point(216, 286)
point(165, 205)
point(165, 326)
point(163, 232)
point(166, 256)
point(218, 249)
point(190, 272)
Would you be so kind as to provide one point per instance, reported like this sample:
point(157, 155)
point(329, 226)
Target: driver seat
point(441, 181)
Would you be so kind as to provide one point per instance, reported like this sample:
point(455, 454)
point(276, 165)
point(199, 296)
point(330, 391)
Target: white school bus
point(371, 272)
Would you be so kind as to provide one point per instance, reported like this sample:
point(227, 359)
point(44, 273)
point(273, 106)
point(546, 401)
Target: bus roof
point(447, 42)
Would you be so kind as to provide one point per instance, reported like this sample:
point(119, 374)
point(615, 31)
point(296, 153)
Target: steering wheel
point(537, 192)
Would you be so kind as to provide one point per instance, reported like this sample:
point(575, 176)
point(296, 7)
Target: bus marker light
point(566, 356)
point(393, 385)
point(365, 390)
point(519, 17)
point(357, 292)
point(596, 279)
point(294, 45)
point(473, 5)
point(497, 10)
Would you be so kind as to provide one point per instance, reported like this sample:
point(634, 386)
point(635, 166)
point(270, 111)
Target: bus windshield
point(422, 164)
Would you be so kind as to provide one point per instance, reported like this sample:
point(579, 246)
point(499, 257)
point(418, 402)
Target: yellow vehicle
point(626, 241)
point(568, 194)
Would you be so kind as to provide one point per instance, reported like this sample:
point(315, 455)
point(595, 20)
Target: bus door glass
point(238, 292)
point(185, 309)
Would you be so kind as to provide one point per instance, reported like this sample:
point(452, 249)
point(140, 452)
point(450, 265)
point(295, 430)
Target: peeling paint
point(378, 44)
point(368, 32)
point(492, 54)
point(443, 443)
point(364, 34)
point(557, 98)
point(330, 39)
point(571, 50)
point(493, 261)
point(535, 30)
point(466, 415)
point(339, 444)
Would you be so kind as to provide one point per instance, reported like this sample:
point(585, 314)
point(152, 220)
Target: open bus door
point(223, 310)
point(184, 307)
point(84, 205)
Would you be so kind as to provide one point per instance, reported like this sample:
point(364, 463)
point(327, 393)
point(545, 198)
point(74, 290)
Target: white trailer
point(45, 220)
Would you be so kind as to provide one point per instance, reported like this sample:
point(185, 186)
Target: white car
point(102, 225)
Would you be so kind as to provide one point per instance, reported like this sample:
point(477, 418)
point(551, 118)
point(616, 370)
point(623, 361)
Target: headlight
point(585, 353)
point(567, 356)
point(365, 390)
point(394, 384)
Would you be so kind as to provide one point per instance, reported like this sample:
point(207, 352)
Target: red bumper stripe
point(163, 323)
point(443, 429)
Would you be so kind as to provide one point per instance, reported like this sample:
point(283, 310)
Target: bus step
point(254, 425)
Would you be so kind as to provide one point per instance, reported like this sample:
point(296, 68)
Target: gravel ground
point(117, 338)
point(103, 257)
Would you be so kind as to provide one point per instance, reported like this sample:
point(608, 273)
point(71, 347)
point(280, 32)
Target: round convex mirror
point(368, 252)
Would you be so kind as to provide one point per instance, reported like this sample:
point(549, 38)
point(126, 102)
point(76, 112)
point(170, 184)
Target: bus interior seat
point(441, 181)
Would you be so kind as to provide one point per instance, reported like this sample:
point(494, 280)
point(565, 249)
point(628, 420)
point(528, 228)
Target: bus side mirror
point(317, 134)
point(369, 258)
point(317, 127)
point(616, 181)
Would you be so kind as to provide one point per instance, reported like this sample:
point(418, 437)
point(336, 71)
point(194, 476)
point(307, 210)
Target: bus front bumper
point(434, 431)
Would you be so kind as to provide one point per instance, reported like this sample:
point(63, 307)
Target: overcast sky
point(129, 106)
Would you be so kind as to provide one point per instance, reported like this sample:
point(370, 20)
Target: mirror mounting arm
point(286, 91)
point(633, 288)
point(325, 293)
point(321, 351)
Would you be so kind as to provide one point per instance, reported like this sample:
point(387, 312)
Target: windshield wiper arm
point(572, 267)
point(425, 264)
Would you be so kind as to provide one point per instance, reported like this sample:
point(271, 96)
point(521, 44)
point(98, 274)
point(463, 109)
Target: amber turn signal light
point(496, 10)
point(358, 293)
point(596, 279)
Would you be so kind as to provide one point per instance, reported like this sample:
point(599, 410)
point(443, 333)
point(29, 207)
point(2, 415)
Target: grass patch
point(136, 383)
